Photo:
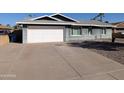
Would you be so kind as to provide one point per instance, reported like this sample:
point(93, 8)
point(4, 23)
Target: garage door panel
point(33, 36)
point(45, 35)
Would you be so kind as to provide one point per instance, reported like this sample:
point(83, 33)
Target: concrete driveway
point(55, 61)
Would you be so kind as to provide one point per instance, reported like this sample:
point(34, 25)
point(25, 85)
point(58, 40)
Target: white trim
point(45, 16)
point(64, 24)
point(24, 35)
point(43, 23)
point(38, 17)
point(64, 16)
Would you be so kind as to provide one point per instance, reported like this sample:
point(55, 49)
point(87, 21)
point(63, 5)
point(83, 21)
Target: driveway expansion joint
point(112, 76)
point(67, 62)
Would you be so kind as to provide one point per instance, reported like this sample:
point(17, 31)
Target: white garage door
point(45, 34)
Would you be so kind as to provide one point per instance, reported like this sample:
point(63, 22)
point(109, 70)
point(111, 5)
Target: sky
point(11, 18)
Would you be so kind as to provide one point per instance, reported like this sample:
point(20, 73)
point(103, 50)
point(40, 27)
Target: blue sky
point(11, 18)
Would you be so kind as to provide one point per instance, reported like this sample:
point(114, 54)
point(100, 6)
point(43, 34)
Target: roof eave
point(73, 24)
point(42, 23)
point(93, 25)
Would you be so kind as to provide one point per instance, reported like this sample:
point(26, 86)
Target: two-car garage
point(39, 34)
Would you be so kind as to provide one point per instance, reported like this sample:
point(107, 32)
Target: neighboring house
point(119, 27)
point(4, 37)
point(60, 28)
point(118, 31)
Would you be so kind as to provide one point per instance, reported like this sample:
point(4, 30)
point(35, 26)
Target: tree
point(99, 17)
point(17, 27)
point(30, 15)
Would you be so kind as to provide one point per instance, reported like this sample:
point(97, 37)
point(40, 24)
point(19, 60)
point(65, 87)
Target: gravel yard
point(106, 48)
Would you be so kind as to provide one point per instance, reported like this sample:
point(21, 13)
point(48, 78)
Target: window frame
point(76, 29)
point(90, 32)
point(104, 32)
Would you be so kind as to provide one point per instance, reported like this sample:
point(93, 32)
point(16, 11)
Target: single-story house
point(4, 37)
point(60, 28)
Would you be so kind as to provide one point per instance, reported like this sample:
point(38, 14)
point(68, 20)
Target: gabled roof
point(55, 17)
point(54, 20)
point(46, 17)
point(63, 17)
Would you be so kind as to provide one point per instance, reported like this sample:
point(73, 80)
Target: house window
point(76, 31)
point(104, 31)
point(84, 31)
point(90, 31)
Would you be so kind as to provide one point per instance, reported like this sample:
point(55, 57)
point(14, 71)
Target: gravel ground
point(105, 47)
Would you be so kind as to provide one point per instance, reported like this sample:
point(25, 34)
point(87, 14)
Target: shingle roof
point(95, 22)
